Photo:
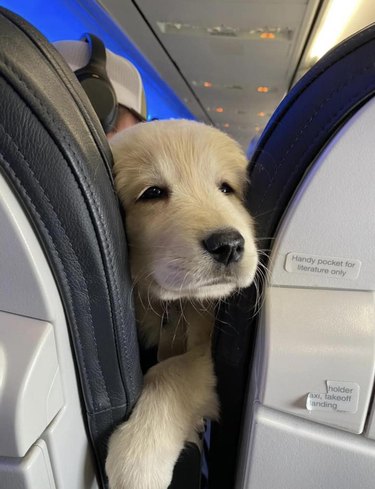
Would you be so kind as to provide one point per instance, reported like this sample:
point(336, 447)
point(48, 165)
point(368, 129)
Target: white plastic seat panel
point(31, 392)
point(293, 453)
point(318, 326)
point(32, 298)
point(309, 337)
point(32, 471)
point(331, 216)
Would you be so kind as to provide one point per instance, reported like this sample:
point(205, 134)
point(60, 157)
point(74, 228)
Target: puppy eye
point(153, 193)
point(226, 188)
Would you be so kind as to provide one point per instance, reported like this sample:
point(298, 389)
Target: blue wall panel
point(69, 19)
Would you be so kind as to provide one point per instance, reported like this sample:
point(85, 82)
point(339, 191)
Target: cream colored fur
point(175, 281)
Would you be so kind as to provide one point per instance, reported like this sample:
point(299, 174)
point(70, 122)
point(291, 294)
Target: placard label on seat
point(327, 266)
point(340, 396)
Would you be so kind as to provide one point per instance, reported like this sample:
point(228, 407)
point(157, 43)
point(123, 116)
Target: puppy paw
point(177, 393)
point(136, 462)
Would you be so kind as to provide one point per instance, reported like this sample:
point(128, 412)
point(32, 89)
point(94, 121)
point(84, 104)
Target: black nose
point(225, 246)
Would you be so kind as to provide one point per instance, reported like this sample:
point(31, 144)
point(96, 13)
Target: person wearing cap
point(122, 76)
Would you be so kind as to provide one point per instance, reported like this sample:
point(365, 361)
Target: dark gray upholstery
point(55, 157)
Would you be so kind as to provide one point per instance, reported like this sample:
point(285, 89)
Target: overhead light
point(227, 31)
point(234, 87)
point(261, 114)
point(267, 35)
point(336, 17)
point(219, 109)
point(218, 86)
point(226, 124)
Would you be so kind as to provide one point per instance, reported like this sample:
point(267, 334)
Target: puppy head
point(181, 184)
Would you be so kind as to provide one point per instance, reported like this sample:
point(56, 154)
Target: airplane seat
point(296, 380)
point(69, 366)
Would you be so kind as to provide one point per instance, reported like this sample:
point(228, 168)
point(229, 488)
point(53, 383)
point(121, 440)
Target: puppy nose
point(225, 246)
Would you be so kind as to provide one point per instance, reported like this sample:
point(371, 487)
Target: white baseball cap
point(124, 76)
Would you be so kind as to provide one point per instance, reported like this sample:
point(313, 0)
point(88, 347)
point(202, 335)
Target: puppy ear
point(119, 144)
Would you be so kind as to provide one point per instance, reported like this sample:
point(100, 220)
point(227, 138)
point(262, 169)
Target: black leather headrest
point(54, 155)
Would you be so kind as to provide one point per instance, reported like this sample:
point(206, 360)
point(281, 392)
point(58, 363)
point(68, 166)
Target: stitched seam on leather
point(318, 74)
point(114, 408)
point(57, 253)
point(107, 246)
point(317, 136)
point(307, 124)
point(50, 56)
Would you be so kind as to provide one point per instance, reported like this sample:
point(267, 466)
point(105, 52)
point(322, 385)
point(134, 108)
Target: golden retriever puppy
point(191, 241)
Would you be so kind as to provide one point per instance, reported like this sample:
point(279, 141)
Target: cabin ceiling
point(218, 54)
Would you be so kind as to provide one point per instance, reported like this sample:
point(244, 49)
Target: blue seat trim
point(305, 122)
